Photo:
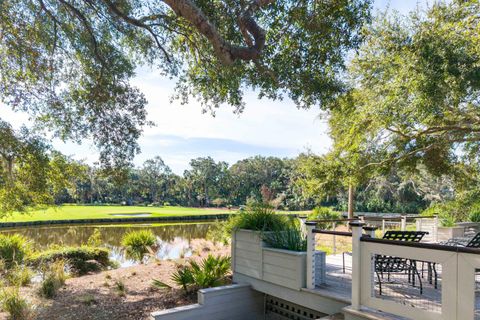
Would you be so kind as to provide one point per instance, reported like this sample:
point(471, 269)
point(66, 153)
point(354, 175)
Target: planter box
point(247, 253)
point(251, 257)
point(446, 233)
point(285, 268)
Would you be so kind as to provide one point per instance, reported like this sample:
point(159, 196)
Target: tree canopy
point(68, 63)
point(414, 96)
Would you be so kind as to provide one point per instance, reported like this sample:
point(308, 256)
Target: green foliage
point(95, 240)
point(78, 259)
point(209, 272)
point(474, 214)
point(19, 276)
point(446, 212)
point(258, 217)
point(16, 306)
point(53, 279)
point(324, 213)
point(414, 91)
point(138, 244)
point(221, 231)
point(13, 249)
point(291, 237)
point(120, 288)
point(95, 55)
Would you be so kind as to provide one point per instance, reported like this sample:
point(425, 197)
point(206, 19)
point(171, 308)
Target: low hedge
point(80, 260)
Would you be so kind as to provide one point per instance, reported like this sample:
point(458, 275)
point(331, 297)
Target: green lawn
point(100, 212)
point(71, 212)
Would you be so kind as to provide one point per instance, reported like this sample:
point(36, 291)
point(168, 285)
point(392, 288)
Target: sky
point(183, 132)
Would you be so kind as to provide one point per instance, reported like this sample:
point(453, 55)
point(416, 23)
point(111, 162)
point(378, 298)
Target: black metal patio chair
point(390, 264)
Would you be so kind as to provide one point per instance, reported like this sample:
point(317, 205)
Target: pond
point(174, 239)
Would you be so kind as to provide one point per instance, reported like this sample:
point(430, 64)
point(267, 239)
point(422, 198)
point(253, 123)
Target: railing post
point(383, 225)
point(435, 228)
point(418, 225)
point(310, 255)
point(356, 263)
point(403, 225)
point(334, 239)
point(370, 230)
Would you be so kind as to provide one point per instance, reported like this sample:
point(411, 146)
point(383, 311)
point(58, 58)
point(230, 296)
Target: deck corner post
point(357, 228)
point(435, 228)
point(232, 248)
point(403, 225)
point(310, 276)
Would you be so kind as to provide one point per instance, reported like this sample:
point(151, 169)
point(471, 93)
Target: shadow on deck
point(396, 287)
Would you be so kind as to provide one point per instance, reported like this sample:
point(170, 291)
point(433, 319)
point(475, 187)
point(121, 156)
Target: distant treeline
point(216, 184)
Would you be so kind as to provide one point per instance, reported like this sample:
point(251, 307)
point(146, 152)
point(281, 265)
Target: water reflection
point(173, 239)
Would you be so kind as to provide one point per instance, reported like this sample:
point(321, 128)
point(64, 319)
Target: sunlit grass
point(74, 212)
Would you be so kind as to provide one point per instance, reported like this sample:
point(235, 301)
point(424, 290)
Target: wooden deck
point(398, 289)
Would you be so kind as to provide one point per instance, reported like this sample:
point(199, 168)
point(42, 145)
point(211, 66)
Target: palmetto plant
point(209, 272)
point(139, 243)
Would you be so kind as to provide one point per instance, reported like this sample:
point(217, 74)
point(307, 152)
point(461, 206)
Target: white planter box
point(251, 257)
point(247, 253)
point(285, 268)
point(446, 233)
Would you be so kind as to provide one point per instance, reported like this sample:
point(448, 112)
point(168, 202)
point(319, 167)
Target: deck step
point(336, 316)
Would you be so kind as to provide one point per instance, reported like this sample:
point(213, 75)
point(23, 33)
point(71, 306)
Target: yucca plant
point(138, 244)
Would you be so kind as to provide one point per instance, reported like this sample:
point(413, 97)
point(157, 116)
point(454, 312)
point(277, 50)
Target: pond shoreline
point(206, 217)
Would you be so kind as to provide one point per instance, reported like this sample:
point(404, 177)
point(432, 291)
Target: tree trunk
point(351, 192)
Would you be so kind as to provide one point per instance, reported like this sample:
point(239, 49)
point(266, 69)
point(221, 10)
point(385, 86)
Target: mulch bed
point(95, 296)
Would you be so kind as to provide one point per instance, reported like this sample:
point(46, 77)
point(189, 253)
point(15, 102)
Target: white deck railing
point(446, 274)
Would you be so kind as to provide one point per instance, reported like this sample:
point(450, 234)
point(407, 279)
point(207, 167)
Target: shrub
point(210, 272)
point(80, 260)
point(258, 217)
point(13, 249)
point(15, 305)
point(95, 239)
point(138, 243)
point(120, 288)
point(324, 213)
point(219, 232)
point(53, 279)
point(445, 212)
point(290, 238)
point(475, 214)
point(19, 276)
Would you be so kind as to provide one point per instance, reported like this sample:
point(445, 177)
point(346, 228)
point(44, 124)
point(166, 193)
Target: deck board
point(398, 289)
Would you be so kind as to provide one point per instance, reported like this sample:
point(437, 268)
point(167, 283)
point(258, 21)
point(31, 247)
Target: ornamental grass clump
point(13, 249)
point(291, 237)
point(138, 244)
point(258, 217)
point(17, 307)
point(54, 278)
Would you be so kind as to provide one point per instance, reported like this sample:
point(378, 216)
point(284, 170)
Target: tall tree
point(68, 63)
point(155, 175)
point(415, 89)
